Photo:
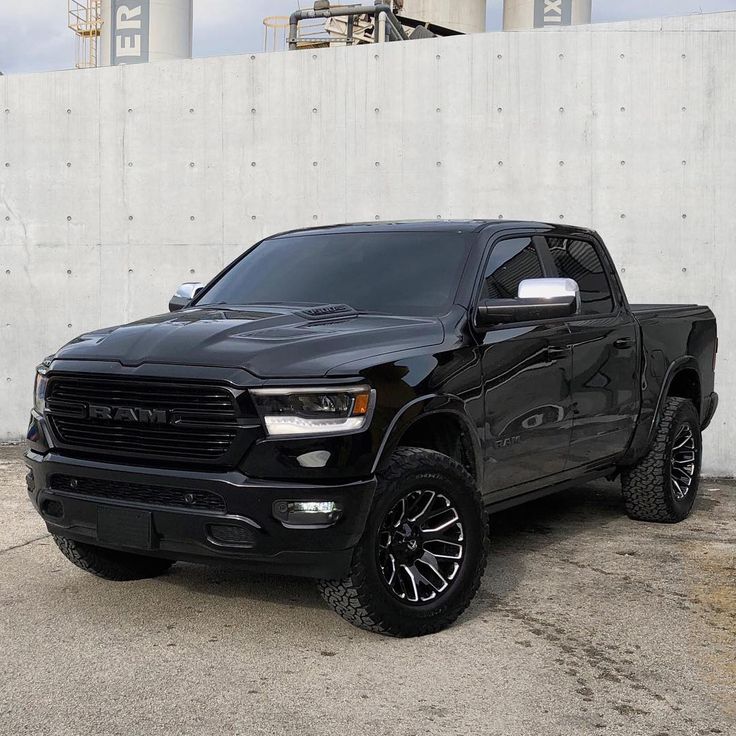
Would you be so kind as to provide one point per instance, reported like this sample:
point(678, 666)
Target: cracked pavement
point(586, 623)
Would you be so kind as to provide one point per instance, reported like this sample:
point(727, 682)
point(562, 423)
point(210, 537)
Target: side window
point(511, 262)
point(578, 259)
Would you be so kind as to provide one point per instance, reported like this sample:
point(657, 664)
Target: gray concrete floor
point(586, 623)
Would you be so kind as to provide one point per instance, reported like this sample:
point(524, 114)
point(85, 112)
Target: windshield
point(414, 273)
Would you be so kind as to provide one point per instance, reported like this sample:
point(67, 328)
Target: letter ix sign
point(130, 31)
point(552, 13)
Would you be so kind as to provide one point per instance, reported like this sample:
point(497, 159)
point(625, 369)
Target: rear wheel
point(423, 553)
point(111, 564)
point(664, 484)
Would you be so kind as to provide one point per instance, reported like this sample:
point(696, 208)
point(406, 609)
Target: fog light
point(307, 513)
point(316, 459)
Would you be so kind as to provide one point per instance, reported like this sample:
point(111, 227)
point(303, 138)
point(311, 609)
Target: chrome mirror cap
point(538, 300)
point(184, 294)
point(550, 289)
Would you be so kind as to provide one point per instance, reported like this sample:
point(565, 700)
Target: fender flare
point(686, 362)
point(421, 408)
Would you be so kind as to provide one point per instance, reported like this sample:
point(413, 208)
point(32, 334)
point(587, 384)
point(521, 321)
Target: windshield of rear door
point(412, 273)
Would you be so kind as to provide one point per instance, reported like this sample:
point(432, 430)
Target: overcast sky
point(34, 34)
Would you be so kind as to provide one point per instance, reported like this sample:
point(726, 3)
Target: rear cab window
point(579, 260)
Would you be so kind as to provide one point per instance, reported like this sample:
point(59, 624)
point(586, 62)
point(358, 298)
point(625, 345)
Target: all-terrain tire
point(364, 598)
point(110, 564)
point(648, 491)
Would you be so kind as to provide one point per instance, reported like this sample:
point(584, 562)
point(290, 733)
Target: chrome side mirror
point(538, 299)
point(184, 294)
point(550, 289)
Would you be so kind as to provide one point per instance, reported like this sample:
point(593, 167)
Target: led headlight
point(313, 411)
point(39, 390)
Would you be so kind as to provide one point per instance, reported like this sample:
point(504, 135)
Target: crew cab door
point(526, 377)
point(605, 349)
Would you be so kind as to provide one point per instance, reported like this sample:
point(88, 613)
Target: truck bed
point(682, 334)
point(647, 309)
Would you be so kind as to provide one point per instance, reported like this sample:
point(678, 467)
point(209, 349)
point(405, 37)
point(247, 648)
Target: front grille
point(170, 442)
point(138, 493)
point(192, 422)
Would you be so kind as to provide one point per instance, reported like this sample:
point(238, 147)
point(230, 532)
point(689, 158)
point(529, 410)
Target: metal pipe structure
point(381, 27)
point(393, 25)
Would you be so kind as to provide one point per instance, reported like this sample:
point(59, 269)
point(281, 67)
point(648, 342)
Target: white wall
point(176, 167)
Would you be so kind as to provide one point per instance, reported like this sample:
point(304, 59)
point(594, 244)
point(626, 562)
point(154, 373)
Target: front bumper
point(263, 543)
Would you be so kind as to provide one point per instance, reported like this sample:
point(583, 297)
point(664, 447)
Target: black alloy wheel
point(421, 546)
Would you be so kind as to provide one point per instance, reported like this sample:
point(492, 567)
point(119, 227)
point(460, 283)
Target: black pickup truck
point(348, 403)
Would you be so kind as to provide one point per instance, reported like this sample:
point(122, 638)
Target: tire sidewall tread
point(646, 486)
point(111, 564)
point(363, 599)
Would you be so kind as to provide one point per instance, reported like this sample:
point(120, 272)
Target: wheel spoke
point(443, 524)
point(431, 562)
point(426, 589)
point(684, 474)
point(414, 598)
point(391, 577)
point(399, 511)
point(684, 439)
point(431, 496)
point(399, 587)
point(450, 550)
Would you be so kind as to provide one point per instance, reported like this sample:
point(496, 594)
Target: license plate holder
point(124, 527)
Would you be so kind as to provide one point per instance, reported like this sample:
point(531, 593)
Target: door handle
point(557, 353)
point(624, 343)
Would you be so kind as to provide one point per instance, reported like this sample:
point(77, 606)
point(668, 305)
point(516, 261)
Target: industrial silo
point(466, 16)
point(521, 15)
point(137, 31)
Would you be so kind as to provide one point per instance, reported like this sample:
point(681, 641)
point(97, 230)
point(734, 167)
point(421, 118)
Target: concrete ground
point(586, 623)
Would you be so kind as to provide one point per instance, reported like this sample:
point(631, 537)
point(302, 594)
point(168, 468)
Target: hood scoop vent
point(327, 312)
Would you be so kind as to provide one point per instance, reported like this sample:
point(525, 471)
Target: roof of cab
point(460, 226)
point(457, 226)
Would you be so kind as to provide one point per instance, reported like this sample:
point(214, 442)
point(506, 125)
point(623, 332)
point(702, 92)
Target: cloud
point(34, 35)
point(234, 26)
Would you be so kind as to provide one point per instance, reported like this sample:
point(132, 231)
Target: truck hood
point(269, 342)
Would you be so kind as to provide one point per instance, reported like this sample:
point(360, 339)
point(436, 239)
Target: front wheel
point(422, 555)
point(663, 485)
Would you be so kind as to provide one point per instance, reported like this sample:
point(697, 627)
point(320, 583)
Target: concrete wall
point(117, 184)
